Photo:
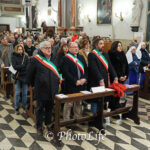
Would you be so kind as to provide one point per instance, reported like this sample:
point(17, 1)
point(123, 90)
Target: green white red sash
point(101, 58)
point(76, 61)
point(47, 63)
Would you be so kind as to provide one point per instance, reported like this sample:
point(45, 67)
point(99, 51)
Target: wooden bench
point(31, 110)
point(145, 92)
point(130, 112)
point(6, 83)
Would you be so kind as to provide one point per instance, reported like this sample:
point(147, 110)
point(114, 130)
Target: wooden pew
point(145, 92)
point(130, 112)
point(31, 110)
point(6, 83)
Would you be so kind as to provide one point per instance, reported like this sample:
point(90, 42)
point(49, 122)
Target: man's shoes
point(50, 127)
point(40, 131)
point(17, 111)
point(24, 110)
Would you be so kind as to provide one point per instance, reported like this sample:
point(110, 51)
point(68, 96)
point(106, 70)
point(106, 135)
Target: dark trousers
point(114, 103)
point(43, 112)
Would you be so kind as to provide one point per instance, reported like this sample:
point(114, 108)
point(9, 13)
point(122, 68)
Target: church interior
point(27, 24)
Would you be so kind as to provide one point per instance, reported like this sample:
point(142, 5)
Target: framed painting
point(16, 2)
point(104, 11)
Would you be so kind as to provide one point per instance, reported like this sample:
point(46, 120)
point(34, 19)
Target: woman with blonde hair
point(19, 63)
point(85, 49)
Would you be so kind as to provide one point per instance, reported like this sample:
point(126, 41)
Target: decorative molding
point(14, 9)
point(13, 2)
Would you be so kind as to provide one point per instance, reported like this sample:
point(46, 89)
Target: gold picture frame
point(104, 11)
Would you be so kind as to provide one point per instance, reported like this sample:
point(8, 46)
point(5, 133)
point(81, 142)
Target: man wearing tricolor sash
point(100, 70)
point(74, 71)
point(44, 76)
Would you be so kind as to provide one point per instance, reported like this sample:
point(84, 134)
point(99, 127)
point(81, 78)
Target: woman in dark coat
point(119, 61)
point(60, 54)
point(19, 63)
point(120, 64)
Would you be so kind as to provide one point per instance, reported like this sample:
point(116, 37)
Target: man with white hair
point(43, 74)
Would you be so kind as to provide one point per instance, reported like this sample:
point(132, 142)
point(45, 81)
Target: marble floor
point(17, 132)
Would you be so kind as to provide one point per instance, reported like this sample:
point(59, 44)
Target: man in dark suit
point(74, 71)
point(100, 70)
point(43, 74)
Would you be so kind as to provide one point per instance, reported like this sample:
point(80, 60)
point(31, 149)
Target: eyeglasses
point(74, 47)
point(47, 48)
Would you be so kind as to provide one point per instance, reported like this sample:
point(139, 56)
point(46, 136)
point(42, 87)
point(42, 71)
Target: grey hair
point(70, 43)
point(63, 40)
point(42, 44)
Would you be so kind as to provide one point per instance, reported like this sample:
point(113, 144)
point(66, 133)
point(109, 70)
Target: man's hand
point(102, 83)
point(78, 83)
point(82, 81)
point(148, 65)
point(115, 81)
point(2, 65)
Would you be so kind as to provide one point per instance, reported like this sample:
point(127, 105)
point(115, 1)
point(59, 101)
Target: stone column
point(29, 14)
point(59, 14)
point(73, 13)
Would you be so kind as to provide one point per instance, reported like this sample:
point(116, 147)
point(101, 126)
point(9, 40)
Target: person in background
point(6, 50)
point(59, 59)
point(145, 61)
point(29, 49)
point(60, 54)
point(36, 45)
point(19, 63)
point(134, 64)
point(85, 49)
point(74, 37)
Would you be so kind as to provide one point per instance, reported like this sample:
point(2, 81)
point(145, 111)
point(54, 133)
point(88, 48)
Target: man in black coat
point(45, 77)
point(100, 71)
point(74, 71)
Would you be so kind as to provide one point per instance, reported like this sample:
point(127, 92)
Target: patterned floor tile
point(19, 132)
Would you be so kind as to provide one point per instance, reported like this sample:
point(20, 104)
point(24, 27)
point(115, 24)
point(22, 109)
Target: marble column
point(59, 14)
point(73, 13)
point(29, 15)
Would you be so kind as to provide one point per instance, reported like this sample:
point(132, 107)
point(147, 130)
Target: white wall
point(118, 29)
point(12, 21)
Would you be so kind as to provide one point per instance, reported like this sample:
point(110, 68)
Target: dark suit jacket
point(97, 71)
point(70, 74)
point(46, 83)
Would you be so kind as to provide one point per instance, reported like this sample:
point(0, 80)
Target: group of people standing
point(81, 70)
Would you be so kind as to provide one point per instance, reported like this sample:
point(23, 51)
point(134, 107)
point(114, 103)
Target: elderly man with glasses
point(74, 71)
point(43, 74)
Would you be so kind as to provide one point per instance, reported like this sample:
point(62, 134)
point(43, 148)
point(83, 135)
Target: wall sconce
point(120, 17)
point(88, 18)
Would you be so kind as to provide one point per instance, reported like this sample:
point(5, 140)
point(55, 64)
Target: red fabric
point(74, 38)
point(120, 88)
